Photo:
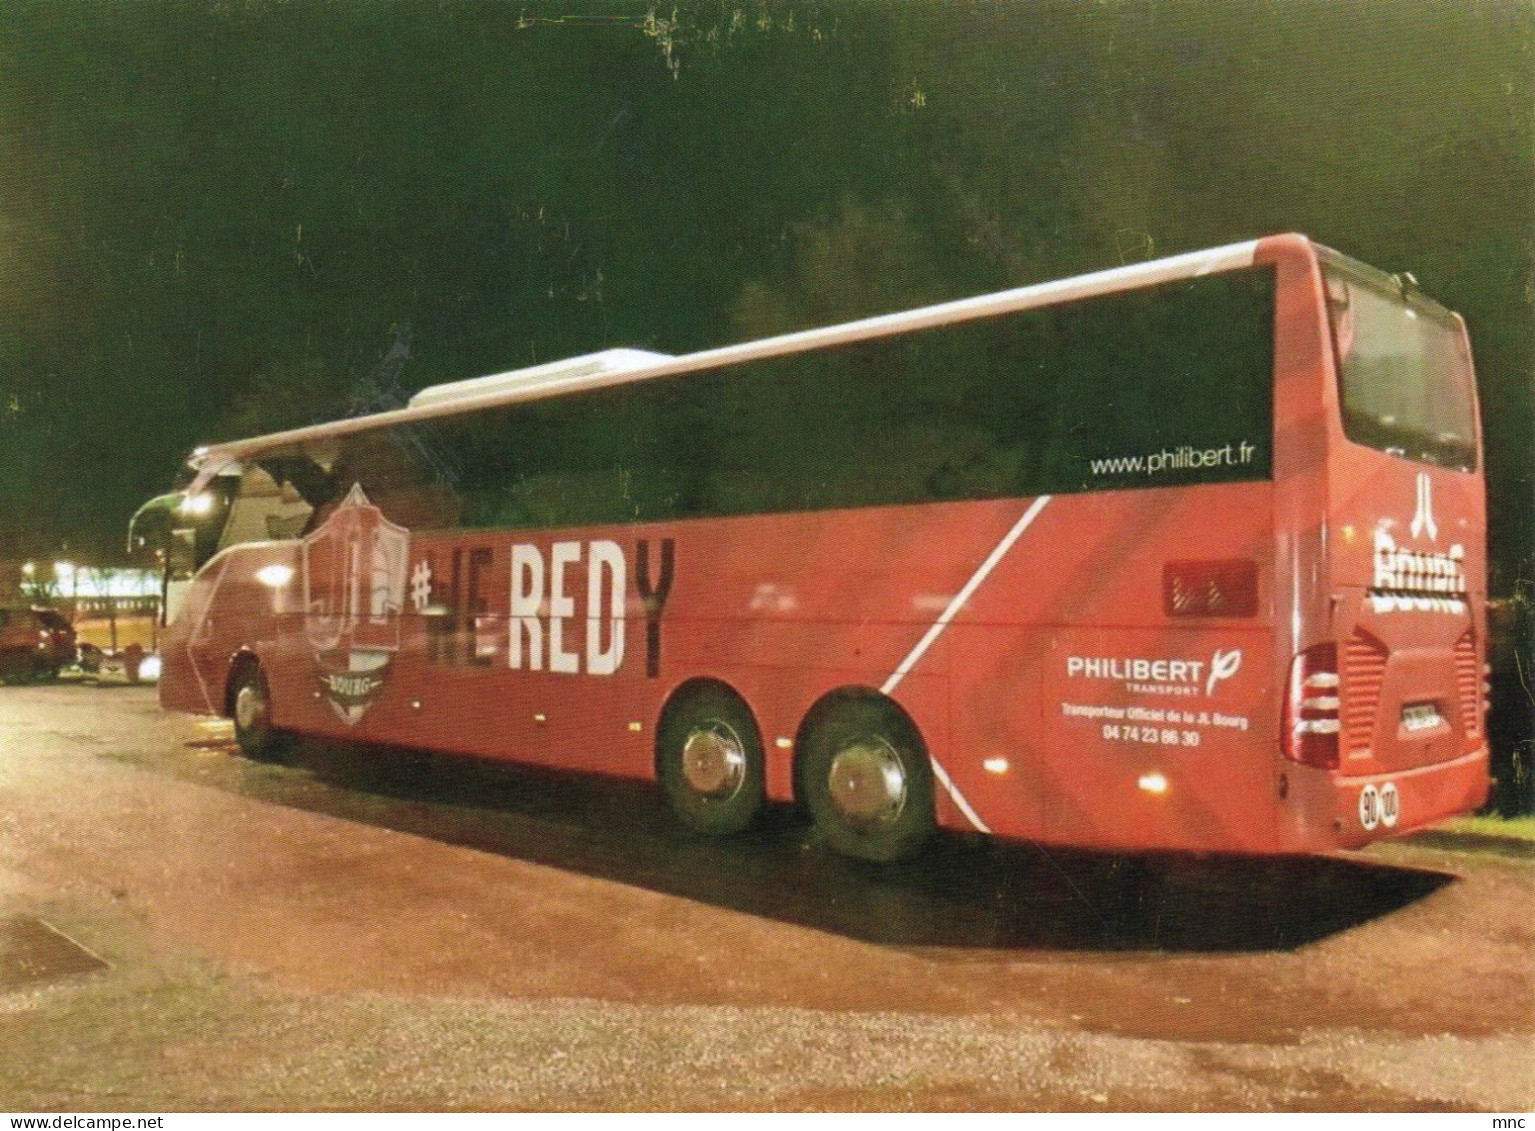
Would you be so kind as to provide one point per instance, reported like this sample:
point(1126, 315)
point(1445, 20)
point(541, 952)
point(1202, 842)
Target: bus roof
point(587, 365)
point(591, 371)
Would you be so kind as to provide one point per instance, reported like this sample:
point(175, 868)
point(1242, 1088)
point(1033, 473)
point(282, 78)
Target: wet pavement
point(368, 928)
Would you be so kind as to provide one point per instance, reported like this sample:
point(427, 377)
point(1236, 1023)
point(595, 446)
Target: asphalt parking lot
point(372, 929)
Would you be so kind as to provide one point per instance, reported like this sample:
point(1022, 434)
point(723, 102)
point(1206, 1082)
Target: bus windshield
point(1404, 376)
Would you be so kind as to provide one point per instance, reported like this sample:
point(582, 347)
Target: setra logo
point(1423, 520)
point(354, 589)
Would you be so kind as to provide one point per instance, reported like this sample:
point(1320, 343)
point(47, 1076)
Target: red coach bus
point(1185, 555)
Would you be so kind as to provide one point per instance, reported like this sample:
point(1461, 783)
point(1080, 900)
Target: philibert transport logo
point(354, 570)
point(1158, 676)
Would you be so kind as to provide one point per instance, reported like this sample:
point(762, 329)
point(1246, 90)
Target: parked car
point(34, 644)
point(129, 665)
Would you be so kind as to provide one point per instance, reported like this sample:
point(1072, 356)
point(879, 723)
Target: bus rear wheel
point(709, 760)
point(251, 708)
point(866, 780)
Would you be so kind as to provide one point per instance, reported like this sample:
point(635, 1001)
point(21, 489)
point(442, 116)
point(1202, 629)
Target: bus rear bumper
point(1331, 811)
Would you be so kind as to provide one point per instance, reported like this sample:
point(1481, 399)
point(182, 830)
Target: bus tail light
point(1311, 716)
point(1210, 589)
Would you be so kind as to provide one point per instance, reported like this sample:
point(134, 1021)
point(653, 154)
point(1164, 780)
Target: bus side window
point(181, 554)
point(404, 471)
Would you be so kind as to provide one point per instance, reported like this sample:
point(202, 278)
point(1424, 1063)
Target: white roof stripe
point(1133, 276)
point(608, 361)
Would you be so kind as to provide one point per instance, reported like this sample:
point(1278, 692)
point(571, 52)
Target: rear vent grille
point(1468, 683)
point(1364, 668)
point(1210, 589)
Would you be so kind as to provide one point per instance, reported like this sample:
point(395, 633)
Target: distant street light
point(68, 576)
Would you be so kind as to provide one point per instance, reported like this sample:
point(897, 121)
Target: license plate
point(1421, 716)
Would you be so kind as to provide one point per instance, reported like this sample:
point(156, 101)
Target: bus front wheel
point(709, 760)
point(867, 782)
point(251, 708)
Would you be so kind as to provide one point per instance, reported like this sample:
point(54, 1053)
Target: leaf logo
point(1223, 665)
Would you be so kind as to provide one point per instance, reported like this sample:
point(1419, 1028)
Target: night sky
point(222, 218)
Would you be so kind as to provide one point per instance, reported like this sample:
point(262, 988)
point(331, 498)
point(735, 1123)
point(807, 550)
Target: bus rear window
point(1404, 376)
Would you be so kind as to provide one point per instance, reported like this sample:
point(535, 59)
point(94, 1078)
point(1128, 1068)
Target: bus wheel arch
point(862, 771)
point(247, 701)
point(709, 757)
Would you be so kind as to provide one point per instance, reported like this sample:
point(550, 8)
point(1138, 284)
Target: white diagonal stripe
point(949, 613)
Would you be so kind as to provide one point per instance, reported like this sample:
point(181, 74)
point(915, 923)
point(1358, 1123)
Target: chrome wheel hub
point(250, 708)
point(868, 782)
point(713, 760)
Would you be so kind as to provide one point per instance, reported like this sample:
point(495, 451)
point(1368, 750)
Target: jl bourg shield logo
point(354, 588)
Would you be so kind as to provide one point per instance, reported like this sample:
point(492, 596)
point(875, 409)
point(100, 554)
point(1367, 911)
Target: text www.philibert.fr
point(1185, 458)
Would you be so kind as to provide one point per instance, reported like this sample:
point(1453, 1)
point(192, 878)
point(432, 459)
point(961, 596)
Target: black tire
point(251, 709)
point(709, 760)
point(865, 777)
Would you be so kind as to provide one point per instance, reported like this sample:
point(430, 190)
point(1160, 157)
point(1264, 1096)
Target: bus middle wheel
point(709, 760)
point(867, 782)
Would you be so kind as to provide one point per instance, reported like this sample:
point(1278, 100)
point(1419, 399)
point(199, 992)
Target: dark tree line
point(219, 217)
